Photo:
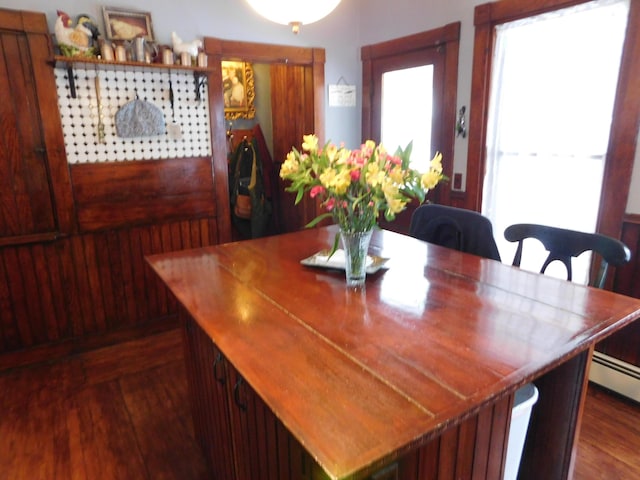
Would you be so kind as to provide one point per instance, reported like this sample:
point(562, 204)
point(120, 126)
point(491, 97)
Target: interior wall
point(262, 84)
point(354, 23)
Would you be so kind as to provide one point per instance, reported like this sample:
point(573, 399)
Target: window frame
point(626, 112)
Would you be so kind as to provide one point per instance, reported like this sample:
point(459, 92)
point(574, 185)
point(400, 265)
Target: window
point(553, 88)
point(624, 119)
point(408, 93)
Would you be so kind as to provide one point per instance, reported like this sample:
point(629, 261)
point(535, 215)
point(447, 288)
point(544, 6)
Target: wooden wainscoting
point(625, 277)
point(94, 287)
point(625, 344)
point(67, 291)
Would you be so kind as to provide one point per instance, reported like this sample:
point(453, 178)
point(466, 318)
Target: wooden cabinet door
point(35, 189)
point(265, 450)
point(240, 436)
point(25, 192)
point(208, 380)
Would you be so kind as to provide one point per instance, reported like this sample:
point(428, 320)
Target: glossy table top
point(360, 376)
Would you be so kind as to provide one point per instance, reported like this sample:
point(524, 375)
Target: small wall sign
point(341, 95)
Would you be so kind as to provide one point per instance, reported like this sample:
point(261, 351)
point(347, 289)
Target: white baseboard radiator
point(616, 375)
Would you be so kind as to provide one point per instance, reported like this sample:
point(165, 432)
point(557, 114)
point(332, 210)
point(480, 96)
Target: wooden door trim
point(218, 50)
point(621, 150)
point(448, 37)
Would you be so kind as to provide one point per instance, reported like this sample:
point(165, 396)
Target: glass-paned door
point(408, 97)
point(408, 87)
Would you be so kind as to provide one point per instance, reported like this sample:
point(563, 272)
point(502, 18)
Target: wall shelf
point(85, 63)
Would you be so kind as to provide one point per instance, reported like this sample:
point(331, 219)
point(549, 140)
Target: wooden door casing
point(440, 47)
point(305, 71)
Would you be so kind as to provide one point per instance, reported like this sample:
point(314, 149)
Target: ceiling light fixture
point(294, 12)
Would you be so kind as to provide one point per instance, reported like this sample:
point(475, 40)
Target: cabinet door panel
point(265, 449)
point(25, 193)
point(247, 440)
point(208, 383)
point(241, 437)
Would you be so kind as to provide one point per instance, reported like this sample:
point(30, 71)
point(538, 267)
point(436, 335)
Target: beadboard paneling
point(625, 344)
point(89, 284)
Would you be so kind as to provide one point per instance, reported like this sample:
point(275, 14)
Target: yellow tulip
point(289, 166)
point(332, 153)
point(436, 163)
point(342, 181)
point(310, 143)
point(373, 175)
point(327, 178)
point(396, 175)
point(430, 179)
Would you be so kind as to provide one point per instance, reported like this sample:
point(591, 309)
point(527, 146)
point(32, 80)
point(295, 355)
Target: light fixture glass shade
point(294, 12)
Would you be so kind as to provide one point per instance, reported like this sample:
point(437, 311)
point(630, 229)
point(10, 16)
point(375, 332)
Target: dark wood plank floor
point(116, 413)
point(122, 413)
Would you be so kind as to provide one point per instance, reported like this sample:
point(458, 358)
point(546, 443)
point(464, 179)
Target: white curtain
point(553, 85)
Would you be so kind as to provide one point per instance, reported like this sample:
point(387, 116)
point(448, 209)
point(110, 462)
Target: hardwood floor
point(116, 413)
point(609, 439)
point(122, 413)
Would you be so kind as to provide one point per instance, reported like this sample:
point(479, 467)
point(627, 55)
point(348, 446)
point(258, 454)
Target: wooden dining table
point(294, 375)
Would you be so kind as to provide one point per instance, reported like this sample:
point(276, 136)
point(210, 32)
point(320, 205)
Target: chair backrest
point(563, 245)
point(457, 228)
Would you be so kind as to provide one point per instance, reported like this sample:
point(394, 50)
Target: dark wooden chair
point(464, 230)
point(563, 245)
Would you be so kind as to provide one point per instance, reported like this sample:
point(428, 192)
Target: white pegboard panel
point(117, 87)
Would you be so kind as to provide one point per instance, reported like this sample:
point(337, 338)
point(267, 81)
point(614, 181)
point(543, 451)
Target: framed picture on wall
point(238, 90)
point(124, 24)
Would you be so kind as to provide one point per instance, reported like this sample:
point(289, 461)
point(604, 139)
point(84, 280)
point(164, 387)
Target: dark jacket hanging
point(250, 209)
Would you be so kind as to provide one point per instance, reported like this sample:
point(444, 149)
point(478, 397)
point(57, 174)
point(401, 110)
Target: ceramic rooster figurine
point(73, 40)
point(179, 46)
point(90, 24)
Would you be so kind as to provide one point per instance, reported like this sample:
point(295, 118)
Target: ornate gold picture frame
point(238, 90)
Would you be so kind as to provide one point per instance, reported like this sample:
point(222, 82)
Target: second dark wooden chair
point(563, 245)
point(457, 228)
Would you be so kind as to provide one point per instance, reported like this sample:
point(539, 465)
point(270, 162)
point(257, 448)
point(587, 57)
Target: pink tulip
point(317, 190)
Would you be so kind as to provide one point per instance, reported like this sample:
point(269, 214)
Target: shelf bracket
point(200, 80)
point(72, 81)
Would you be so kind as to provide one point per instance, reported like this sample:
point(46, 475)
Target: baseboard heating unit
point(616, 375)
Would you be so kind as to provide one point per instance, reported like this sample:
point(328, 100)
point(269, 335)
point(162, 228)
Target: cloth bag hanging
point(139, 118)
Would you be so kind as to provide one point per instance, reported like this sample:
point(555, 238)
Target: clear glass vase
point(356, 247)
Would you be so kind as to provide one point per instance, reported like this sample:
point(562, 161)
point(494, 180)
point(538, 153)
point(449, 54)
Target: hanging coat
point(250, 209)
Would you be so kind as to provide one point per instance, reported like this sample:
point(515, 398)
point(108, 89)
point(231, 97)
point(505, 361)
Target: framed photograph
point(238, 90)
point(123, 24)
